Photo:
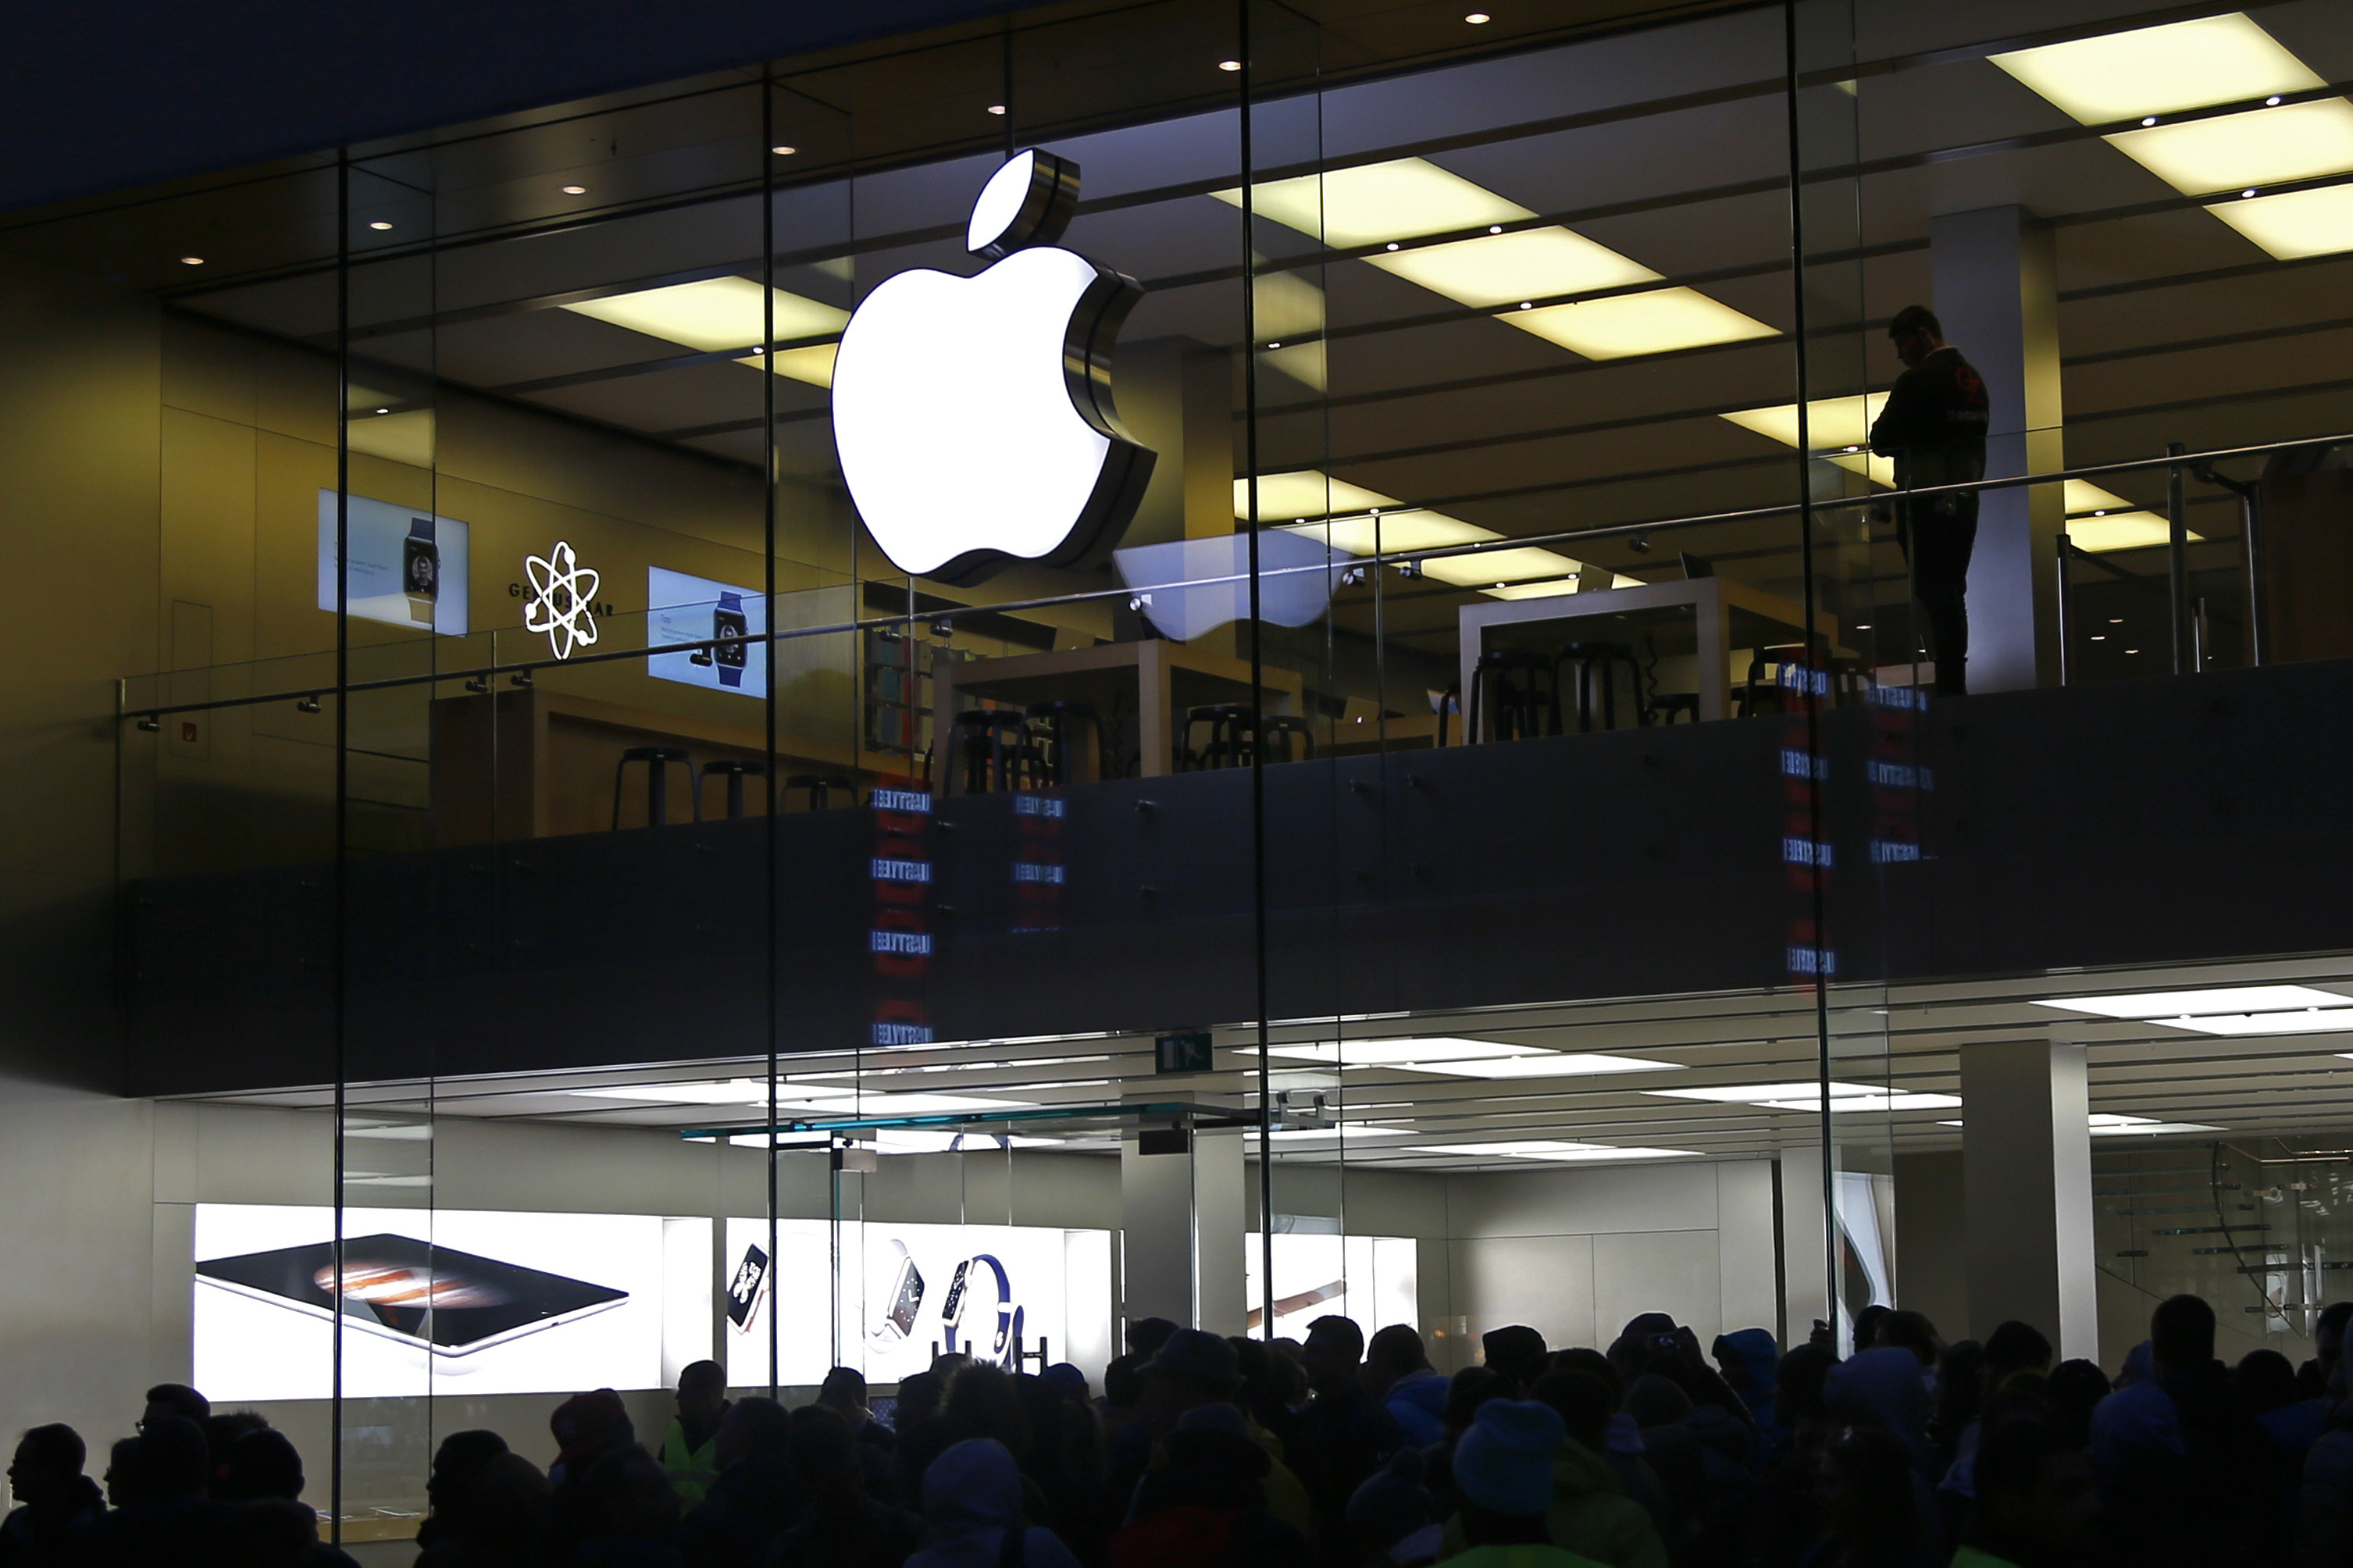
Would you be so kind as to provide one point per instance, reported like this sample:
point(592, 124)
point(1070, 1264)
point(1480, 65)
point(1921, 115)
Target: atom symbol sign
point(561, 589)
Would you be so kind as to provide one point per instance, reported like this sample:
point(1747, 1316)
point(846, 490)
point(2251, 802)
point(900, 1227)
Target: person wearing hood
point(1745, 1359)
point(1882, 1388)
point(56, 1505)
point(1194, 1368)
point(972, 1504)
point(1590, 1512)
point(1398, 1373)
point(1503, 1469)
point(587, 1428)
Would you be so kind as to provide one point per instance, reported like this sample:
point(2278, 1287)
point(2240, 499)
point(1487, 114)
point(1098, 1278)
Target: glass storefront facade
point(678, 804)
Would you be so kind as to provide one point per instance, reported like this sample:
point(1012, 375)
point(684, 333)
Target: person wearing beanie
point(1504, 1471)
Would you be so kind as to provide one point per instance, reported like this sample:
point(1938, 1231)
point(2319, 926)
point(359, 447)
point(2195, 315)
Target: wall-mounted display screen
point(908, 1292)
point(465, 1301)
point(1374, 1280)
point(407, 568)
point(685, 609)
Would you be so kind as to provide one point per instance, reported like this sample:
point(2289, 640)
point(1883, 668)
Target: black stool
point(1229, 737)
point(820, 788)
point(1674, 704)
point(1522, 689)
point(734, 770)
point(1061, 735)
point(985, 750)
point(658, 760)
point(1596, 665)
point(1283, 728)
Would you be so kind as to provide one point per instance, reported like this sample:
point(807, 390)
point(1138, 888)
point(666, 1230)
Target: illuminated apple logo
point(974, 415)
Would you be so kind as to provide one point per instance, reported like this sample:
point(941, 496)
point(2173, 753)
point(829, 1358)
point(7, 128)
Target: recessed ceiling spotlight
point(1393, 245)
point(191, 261)
point(575, 190)
point(2248, 192)
point(384, 410)
point(996, 109)
point(1478, 19)
point(2148, 120)
point(1229, 65)
point(1527, 304)
point(379, 226)
point(1494, 228)
point(784, 152)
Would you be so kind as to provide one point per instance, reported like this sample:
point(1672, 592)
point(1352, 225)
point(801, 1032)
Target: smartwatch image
point(729, 625)
point(904, 1299)
point(420, 569)
point(1005, 1348)
point(744, 1288)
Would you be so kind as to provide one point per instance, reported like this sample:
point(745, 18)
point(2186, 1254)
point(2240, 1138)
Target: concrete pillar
point(1995, 291)
point(1181, 1233)
point(2026, 1175)
point(1805, 1276)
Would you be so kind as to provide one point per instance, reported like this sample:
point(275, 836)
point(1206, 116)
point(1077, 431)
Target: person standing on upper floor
point(56, 1505)
point(1343, 1434)
point(1934, 426)
point(2183, 1464)
point(1398, 1373)
point(688, 1448)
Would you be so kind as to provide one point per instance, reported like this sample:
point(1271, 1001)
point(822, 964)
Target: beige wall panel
point(1672, 1271)
point(1545, 1282)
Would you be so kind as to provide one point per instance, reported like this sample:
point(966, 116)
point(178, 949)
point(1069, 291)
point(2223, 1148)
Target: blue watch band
point(729, 674)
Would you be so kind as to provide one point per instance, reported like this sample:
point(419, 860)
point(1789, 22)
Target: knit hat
point(1504, 1462)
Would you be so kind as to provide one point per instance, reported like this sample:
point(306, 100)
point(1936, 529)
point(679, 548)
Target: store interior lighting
point(1317, 502)
point(1407, 198)
point(720, 313)
point(2108, 1124)
point(2225, 999)
point(2148, 73)
point(1839, 429)
point(2136, 530)
point(1554, 1150)
point(2161, 70)
point(1844, 1096)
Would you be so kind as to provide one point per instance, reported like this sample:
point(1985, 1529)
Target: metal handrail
point(1402, 558)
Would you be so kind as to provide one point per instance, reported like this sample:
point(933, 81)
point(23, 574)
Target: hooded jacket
point(1592, 1516)
point(1417, 1403)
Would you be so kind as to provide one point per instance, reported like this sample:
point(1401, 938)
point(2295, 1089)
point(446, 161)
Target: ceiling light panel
point(2080, 496)
point(1350, 1132)
point(1408, 528)
point(1503, 269)
point(1494, 566)
point(1396, 1052)
point(1548, 1064)
point(1844, 1096)
point(1624, 325)
point(1840, 1104)
point(733, 1091)
point(1837, 428)
point(2260, 147)
point(2160, 70)
point(1373, 202)
point(2218, 999)
point(1553, 1149)
point(2299, 223)
point(2318, 1021)
point(2121, 530)
point(813, 365)
point(715, 313)
point(1305, 492)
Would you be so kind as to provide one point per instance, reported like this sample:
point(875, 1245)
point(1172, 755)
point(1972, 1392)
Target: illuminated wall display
point(562, 591)
point(407, 568)
point(685, 609)
point(485, 1301)
point(974, 415)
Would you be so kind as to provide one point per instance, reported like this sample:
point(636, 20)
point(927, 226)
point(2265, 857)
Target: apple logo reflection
point(974, 415)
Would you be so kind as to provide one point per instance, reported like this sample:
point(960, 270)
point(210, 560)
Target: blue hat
point(1504, 1462)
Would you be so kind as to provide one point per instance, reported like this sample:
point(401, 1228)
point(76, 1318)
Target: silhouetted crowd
point(1334, 1453)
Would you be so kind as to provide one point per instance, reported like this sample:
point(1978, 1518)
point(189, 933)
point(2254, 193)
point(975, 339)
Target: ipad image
point(453, 1303)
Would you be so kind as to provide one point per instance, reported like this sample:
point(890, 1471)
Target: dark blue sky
point(105, 94)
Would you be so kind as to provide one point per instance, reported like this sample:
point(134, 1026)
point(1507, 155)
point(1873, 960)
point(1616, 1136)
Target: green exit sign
point(1187, 1052)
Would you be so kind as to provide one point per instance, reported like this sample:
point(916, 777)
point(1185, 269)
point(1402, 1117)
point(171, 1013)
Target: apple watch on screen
point(729, 628)
point(904, 1300)
point(420, 569)
point(1009, 1316)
